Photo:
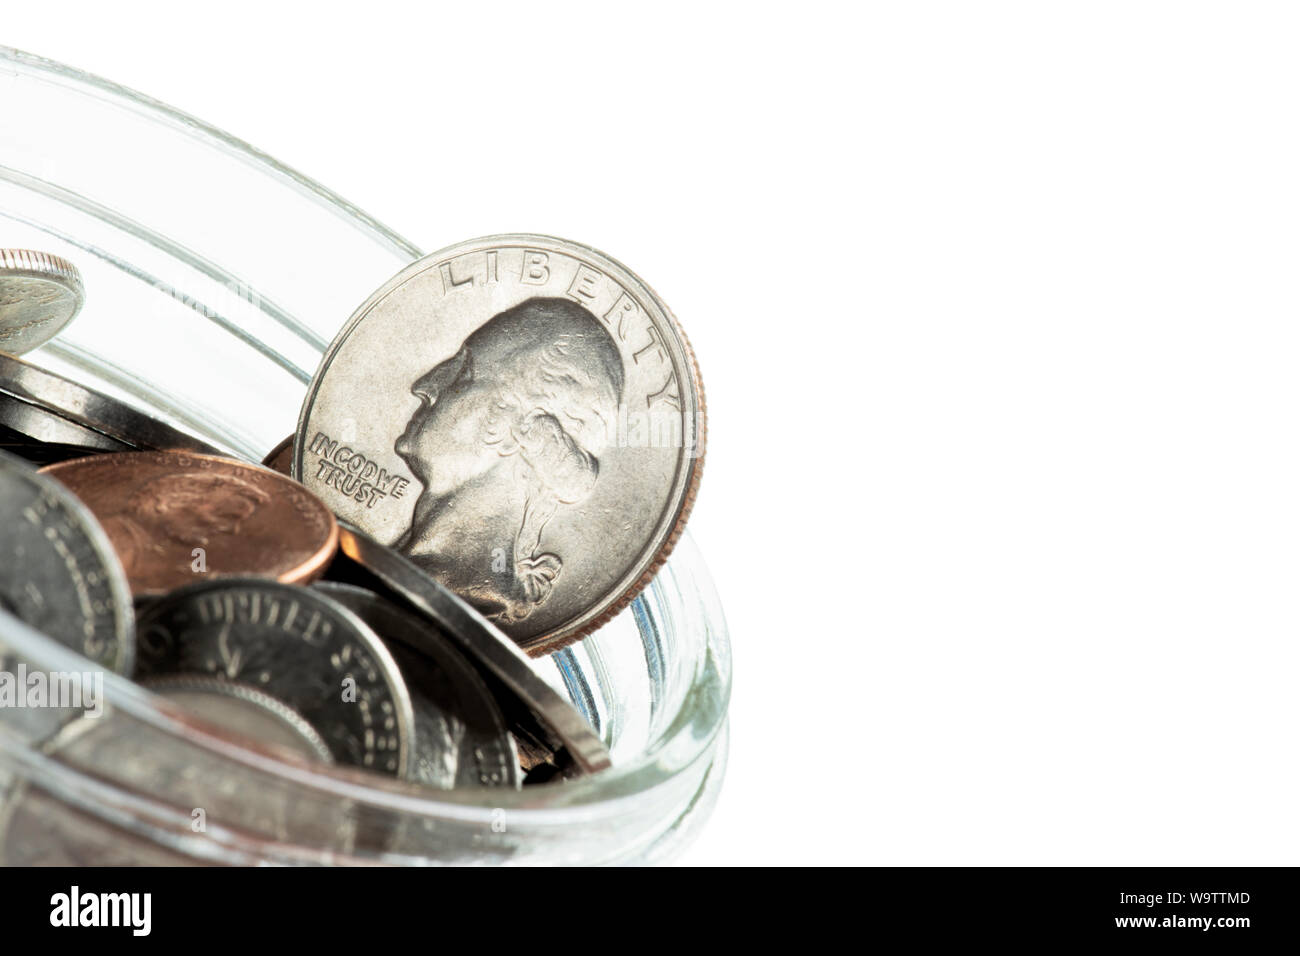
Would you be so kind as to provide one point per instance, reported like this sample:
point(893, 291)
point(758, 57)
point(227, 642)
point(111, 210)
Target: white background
point(996, 307)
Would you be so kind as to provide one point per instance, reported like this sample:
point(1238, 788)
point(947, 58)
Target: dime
point(39, 295)
point(460, 735)
point(524, 419)
point(244, 711)
point(92, 410)
point(175, 517)
point(559, 725)
point(295, 645)
point(58, 571)
point(280, 458)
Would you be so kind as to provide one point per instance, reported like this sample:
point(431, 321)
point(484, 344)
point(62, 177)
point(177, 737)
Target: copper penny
point(280, 458)
point(176, 518)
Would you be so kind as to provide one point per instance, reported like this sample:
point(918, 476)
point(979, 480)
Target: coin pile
point(496, 454)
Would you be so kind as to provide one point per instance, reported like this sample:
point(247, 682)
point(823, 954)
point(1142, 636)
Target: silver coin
point(93, 410)
point(39, 295)
point(45, 426)
point(36, 451)
point(171, 768)
point(479, 639)
point(39, 829)
point(296, 645)
point(460, 735)
point(524, 419)
point(243, 711)
point(59, 573)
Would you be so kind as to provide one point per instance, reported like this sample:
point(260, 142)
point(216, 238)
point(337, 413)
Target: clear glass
point(215, 278)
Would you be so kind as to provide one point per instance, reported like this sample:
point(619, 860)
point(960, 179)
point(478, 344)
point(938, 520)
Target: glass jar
point(215, 278)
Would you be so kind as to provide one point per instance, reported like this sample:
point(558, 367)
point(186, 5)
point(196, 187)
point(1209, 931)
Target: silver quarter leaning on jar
point(523, 418)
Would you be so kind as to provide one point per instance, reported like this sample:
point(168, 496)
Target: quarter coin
point(523, 418)
point(297, 646)
point(58, 571)
point(556, 724)
point(460, 734)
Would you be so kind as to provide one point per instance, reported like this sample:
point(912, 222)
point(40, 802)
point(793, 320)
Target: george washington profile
point(508, 431)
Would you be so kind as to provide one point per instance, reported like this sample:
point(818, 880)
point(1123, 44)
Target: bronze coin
point(280, 458)
point(176, 518)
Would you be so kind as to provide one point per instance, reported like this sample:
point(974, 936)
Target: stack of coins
point(496, 454)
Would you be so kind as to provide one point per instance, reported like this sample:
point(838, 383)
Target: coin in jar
point(280, 458)
point(532, 706)
point(460, 734)
point(243, 711)
point(295, 645)
point(523, 418)
point(35, 451)
point(40, 294)
point(176, 517)
point(89, 409)
point(39, 424)
point(58, 571)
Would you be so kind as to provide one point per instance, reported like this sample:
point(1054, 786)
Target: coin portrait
point(522, 418)
point(175, 517)
point(187, 508)
point(508, 431)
